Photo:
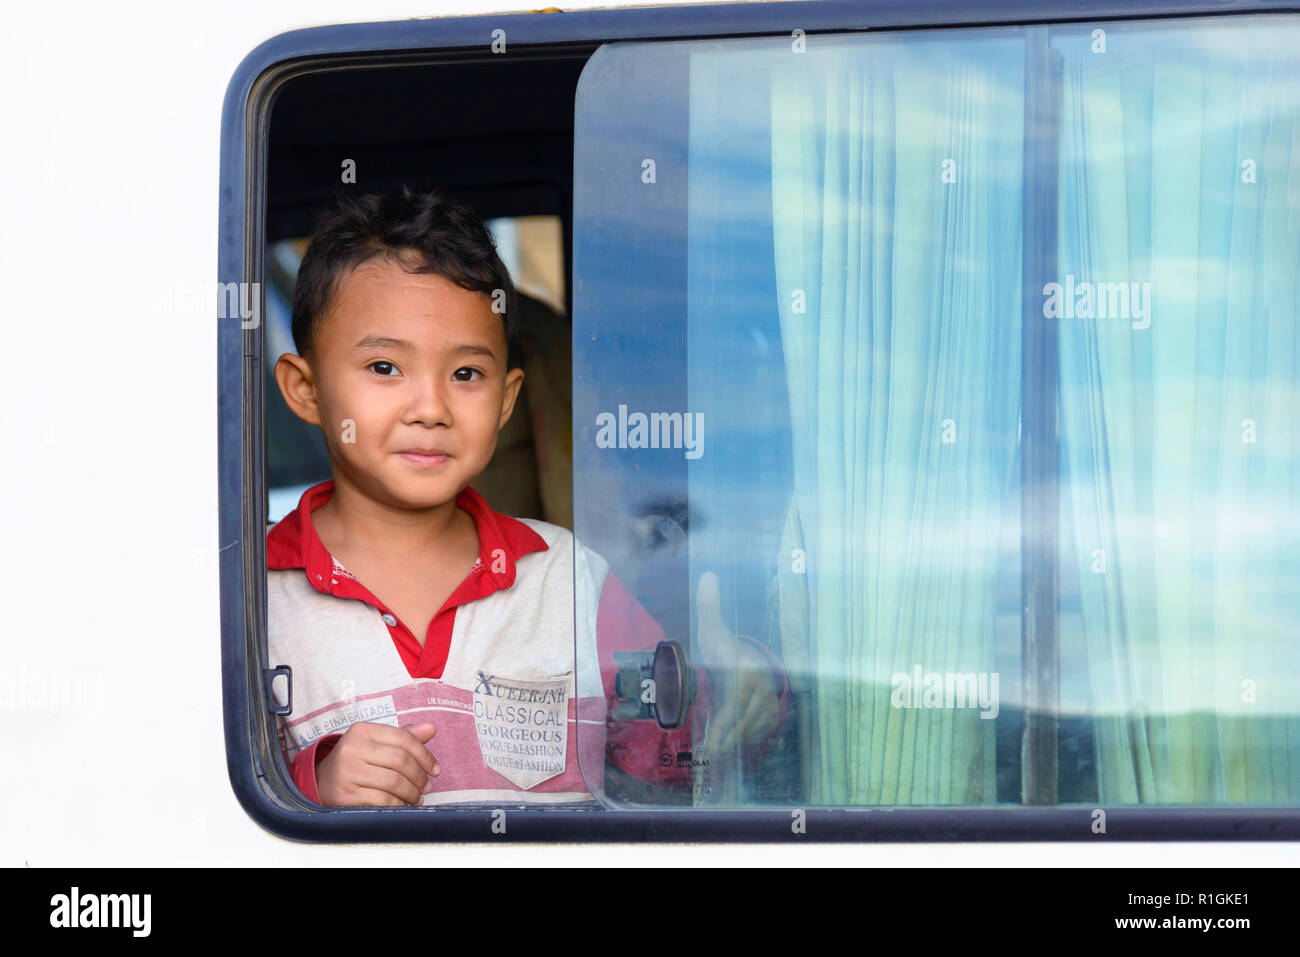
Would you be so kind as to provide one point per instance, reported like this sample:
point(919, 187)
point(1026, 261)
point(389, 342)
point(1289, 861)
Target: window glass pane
point(1179, 251)
point(797, 368)
point(812, 252)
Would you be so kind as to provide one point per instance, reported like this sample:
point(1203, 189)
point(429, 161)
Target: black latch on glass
point(656, 685)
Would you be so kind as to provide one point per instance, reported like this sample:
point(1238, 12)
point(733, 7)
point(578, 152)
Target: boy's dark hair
point(424, 232)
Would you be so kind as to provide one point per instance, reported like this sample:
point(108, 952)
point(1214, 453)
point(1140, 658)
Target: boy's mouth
point(424, 458)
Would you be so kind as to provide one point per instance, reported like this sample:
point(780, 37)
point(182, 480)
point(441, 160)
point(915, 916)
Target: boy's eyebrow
point(371, 342)
point(475, 350)
point(388, 342)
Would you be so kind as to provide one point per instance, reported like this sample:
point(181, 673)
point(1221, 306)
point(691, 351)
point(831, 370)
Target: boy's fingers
point(414, 743)
point(387, 780)
point(406, 739)
point(718, 726)
point(747, 712)
point(400, 760)
point(387, 734)
point(758, 715)
point(422, 731)
point(729, 735)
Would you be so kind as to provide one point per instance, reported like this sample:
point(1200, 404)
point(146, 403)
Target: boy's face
point(408, 381)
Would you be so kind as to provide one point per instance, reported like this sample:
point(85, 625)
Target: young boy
point(431, 638)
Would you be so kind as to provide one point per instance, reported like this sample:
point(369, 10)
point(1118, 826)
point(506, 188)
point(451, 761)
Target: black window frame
point(256, 770)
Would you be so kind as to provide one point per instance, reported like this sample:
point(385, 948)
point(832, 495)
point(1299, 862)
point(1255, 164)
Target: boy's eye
point(385, 369)
point(466, 374)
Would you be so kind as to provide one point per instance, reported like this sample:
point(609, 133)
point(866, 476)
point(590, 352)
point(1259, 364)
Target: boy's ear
point(514, 380)
point(294, 377)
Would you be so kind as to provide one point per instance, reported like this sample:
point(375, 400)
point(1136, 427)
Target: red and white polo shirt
point(496, 671)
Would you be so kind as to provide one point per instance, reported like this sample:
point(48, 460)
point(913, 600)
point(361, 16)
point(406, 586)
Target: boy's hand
point(377, 764)
point(749, 708)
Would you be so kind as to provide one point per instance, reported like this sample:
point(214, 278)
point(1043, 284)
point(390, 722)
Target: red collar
point(293, 543)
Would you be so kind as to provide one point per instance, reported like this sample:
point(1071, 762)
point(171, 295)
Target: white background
point(111, 125)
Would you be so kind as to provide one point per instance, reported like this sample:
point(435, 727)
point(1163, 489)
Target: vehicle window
point(964, 361)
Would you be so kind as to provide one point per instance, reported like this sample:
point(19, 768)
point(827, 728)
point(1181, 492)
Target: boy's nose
point(429, 405)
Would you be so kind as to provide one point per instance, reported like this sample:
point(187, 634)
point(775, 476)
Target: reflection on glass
point(1180, 454)
point(888, 178)
point(817, 258)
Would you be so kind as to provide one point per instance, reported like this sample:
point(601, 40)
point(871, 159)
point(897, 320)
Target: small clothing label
point(523, 727)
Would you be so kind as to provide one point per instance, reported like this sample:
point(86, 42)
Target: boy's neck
point(352, 521)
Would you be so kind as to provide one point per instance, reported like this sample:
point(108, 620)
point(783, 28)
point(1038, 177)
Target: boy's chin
point(394, 484)
point(416, 493)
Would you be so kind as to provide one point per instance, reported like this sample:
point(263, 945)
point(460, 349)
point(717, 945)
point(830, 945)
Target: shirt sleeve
point(303, 767)
point(641, 748)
